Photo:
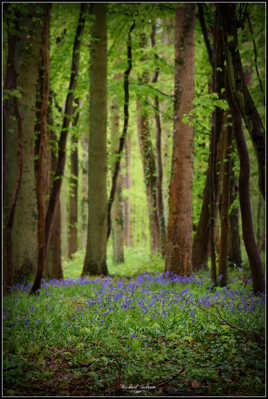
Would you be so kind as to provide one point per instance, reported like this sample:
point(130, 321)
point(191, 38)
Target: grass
point(137, 332)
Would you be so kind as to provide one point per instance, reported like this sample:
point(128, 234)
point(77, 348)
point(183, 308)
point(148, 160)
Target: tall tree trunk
point(20, 239)
point(125, 127)
point(148, 161)
point(149, 170)
point(73, 199)
point(127, 185)
point(117, 208)
point(95, 259)
point(244, 194)
point(43, 155)
point(179, 237)
point(53, 266)
point(240, 91)
point(235, 257)
point(55, 192)
point(224, 206)
point(159, 178)
point(84, 200)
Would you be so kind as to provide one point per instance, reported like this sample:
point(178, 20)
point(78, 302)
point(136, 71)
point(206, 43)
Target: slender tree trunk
point(64, 219)
point(55, 192)
point(179, 237)
point(159, 178)
point(235, 257)
point(244, 194)
point(200, 241)
point(117, 208)
point(125, 127)
point(241, 93)
point(127, 185)
point(43, 156)
point(224, 206)
point(84, 208)
point(73, 199)
point(247, 224)
point(95, 260)
point(53, 266)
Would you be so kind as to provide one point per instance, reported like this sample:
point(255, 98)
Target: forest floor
point(141, 334)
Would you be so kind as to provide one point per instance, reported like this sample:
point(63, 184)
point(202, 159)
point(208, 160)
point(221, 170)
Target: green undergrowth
point(144, 334)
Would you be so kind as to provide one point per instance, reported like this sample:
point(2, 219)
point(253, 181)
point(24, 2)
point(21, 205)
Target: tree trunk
point(244, 194)
point(43, 161)
point(127, 185)
point(117, 208)
point(55, 192)
point(148, 161)
point(200, 241)
point(20, 239)
point(53, 266)
point(84, 200)
point(149, 170)
point(260, 233)
point(73, 199)
point(95, 260)
point(159, 178)
point(224, 206)
point(241, 94)
point(125, 127)
point(179, 237)
point(235, 257)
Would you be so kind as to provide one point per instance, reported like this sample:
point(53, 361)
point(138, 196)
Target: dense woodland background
point(143, 120)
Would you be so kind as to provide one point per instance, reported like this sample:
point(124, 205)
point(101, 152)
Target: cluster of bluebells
point(150, 296)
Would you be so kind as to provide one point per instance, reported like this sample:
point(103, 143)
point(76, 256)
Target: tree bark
point(20, 239)
point(224, 206)
point(73, 194)
point(159, 177)
point(95, 259)
point(127, 185)
point(84, 200)
point(244, 193)
point(125, 127)
point(241, 94)
point(117, 208)
point(149, 170)
point(55, 192)
point(53, 266)
point(148, 160)
point(179, 236)
point(235, 258)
